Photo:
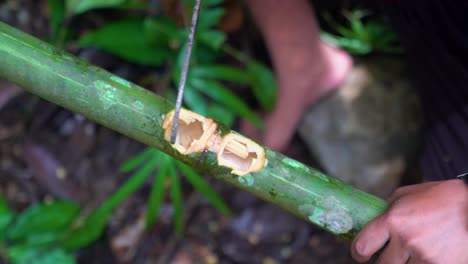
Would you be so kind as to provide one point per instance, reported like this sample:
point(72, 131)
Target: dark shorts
point(435, 36)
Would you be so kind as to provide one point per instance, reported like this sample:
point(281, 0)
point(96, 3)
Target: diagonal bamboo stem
point(133, 111)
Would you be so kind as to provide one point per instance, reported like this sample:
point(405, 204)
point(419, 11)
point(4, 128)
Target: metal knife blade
point(184, 72)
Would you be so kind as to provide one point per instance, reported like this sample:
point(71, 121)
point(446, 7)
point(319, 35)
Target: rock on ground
point(368, 131)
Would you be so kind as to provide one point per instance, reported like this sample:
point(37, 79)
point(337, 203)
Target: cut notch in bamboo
point(197, 133)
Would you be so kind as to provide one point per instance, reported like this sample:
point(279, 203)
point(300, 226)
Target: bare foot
point(306, 68)
point(325, 70)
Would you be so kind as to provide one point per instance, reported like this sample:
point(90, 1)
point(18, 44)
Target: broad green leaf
point(221, 72)
point(6, 215)
point(209, 18)
point(203, 187)
point(76, 7)
point(137, 160)
point(263, 84)
point(221, 113)
point(212, 38)
point(224, 96)
point(157, 192)
point(43, 238)
point(195, 101)
point(177, 200)
point(33, 255)
point(125, 38)
point(89, 231)
point(56, 216)
point(56, 15)
point(161, 32)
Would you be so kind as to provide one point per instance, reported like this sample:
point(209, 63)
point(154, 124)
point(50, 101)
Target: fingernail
point(360, 247)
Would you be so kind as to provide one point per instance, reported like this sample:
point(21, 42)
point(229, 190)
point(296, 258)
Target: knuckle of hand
point(393, 218)
point(409, 241)
point(398, 191)
point(401, 190)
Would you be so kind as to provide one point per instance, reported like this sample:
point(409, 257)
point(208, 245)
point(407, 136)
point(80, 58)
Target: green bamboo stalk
point(137, 113)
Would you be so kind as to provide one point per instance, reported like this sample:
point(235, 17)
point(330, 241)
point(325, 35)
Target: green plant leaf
point(195, 101)
point(33, 255)
point(356, 19)
point(345, 32)
point(363, 36)
point(179, 62)
point(224, 96)
point(6, 215)
point(135, 5)
point(382, 38)
point(204, 188)
point(221, 113)
point(157, 191)
point(378, 32)
point(212, 38)
point(93, 225)
point(87, 232)
point(131, 185)
point(209, 18)
point(177, 200)
point(205, 5)
point(76, 7)
point(210, 3)
point(137, 160)
point(125, 38)
point(221, 72)
point(56, 15)
point(39, 239)
point(263, 84)
point(353, 46)
point(161, 32)
point(56, 216)
point(206, 55)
